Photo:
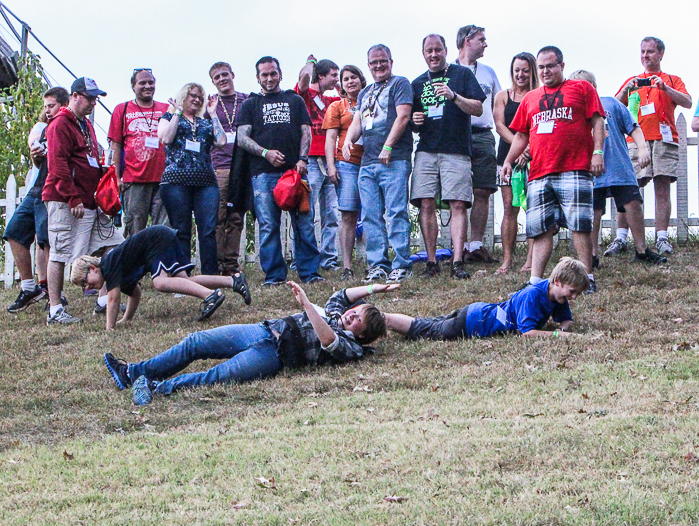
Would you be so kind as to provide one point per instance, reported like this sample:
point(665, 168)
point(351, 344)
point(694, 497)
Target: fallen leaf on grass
point(296, 520)
point(641, 377)
point(584, 395)
point(431, 413)
point(533, 415)
point(395, 498)
point(678, 320)
point(312, 404)
point(13, 461)
point(240, 505)
point(365, 389)
point(581, 411)
point(435, 387)
point(266, 483)
point(67, 455)
point(691, 458)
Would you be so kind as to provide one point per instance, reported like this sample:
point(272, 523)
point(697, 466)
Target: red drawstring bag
point(107, 194)
point(289, 190)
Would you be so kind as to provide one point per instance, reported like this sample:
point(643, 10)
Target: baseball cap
point(86, 85)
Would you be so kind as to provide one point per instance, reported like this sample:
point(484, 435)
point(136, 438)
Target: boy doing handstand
point(526, 312)
point(155, 250)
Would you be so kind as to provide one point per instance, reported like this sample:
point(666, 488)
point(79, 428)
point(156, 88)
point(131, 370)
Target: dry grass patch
point(596, 429)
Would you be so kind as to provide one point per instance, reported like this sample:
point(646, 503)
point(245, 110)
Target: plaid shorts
point(564, 198)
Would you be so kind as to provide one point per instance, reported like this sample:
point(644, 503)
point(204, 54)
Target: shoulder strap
point(123, 121)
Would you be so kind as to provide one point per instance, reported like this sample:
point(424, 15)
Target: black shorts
point(621, 195)
point(449, 327)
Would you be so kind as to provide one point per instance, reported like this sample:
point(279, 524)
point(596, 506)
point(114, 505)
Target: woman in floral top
point(189, 182)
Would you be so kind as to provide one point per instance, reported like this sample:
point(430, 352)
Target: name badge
point(666, 132)
point(192, 146)
point(368, 122)
point(545, 127)
point(230, 137)
point(501, 315)
point(648, 109)
point(319, 102)
point(152, 142)
point(360, 141)
point(435, 112)
point(93, 162)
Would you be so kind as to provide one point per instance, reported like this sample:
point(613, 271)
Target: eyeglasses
point(472, 31)
point(142, 69)
point(548, 67)
point(195, 96)
point(379, 62)
point(89, 98)
point(84, 285)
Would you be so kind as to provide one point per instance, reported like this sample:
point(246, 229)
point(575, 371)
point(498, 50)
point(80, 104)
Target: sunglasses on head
point(142, 69)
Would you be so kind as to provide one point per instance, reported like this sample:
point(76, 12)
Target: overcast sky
point(180, 40)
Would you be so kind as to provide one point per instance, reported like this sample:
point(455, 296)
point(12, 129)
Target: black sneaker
point(595, 262)
point(650, 257)
point(592, 289)
point(431, 270)
point(240, 285)
point(458, 271)
point(119, 370)
point(347, 274)
point(210, 304)
point(25, 299)
point(99, 309)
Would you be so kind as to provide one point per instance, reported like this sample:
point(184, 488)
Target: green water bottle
point(519, 186)
point(634, 105)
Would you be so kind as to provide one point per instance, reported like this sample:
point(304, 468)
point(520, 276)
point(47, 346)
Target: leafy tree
point(20, 109)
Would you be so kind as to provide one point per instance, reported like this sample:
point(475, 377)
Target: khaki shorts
point(71, 238)
point(664, 158)
point(441, 174)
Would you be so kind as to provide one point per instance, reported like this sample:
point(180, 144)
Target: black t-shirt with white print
point(276, 120)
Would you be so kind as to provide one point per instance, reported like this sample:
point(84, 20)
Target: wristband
point(314, 61)
point(178, 113)
point(264, 152)
point(598, 152)
point(555, 333)
point(370, 288)
point(388, 148)
point(454, 97)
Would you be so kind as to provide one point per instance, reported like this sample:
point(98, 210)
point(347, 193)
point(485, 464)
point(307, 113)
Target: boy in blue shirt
point(619, 179)
point(526, 312)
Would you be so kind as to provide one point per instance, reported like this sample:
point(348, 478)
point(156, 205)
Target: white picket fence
point(682, 221)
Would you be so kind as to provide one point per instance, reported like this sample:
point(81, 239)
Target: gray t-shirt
point(486, 77)
point(377, 106)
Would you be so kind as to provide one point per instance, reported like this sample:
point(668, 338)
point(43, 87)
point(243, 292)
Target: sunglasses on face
point(89, 98)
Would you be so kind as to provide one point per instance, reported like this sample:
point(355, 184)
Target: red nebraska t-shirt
point(568, 144)
point(144, 164)
point(317, 104)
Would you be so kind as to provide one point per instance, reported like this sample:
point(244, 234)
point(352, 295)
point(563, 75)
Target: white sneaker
point(375, 274)
point(399, 274)
point(63, 318)
point(664, 246)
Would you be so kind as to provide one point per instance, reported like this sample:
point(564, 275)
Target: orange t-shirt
point(664, 106)
point(339, 115)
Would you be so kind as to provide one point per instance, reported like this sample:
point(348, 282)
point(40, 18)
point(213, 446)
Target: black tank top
point(504, 146)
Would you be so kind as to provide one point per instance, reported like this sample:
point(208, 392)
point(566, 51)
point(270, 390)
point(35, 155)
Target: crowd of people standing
point(219, 157)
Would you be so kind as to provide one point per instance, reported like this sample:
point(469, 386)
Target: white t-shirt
point(34, 172)
point(486, 77)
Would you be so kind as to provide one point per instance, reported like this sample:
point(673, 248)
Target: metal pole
point(25, 39)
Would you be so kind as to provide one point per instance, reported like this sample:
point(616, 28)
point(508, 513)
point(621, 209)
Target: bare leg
point(23, 259)
point(348, 233)
point(508, 229)
point(183, 285)
point(542, 247)
point(634, 214)
point(458, 234)
point(41, 261)
point(583, 246)
point(210, 281)
point(54, 274)
point(479, 213)
point(428, 224)
point(596, 225)
point(399, 323)
point(663, 204)
point(530, 250)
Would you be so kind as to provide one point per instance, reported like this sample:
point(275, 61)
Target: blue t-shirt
point(528, 309)
point(618, 170)
point(696, 113)
point(377, 106)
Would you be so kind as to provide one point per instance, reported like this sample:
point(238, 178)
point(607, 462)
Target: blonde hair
point(81, 267)
point(571, 272)
point(582, 74)
point(182, 95)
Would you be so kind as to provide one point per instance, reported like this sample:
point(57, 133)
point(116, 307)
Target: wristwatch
point(304, 159)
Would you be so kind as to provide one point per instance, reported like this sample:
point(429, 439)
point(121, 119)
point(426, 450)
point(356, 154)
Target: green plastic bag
point(519, 186)
point(634, 105)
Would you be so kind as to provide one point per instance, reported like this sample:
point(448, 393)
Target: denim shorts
point(348, 189)
point(565, 198)
point(30, 219)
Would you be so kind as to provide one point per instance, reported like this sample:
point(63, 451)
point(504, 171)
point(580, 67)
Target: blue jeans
point(384, 189)
point(269, 217)
point(250, 351)
point(180, 201)
point(323, 190)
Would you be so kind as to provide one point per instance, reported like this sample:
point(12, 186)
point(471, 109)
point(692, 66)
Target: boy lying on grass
point(526, 312)
point(155, 250)
point(340, 333)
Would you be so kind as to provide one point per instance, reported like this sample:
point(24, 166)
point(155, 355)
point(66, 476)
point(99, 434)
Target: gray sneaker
point(375, 274)
point(664, 246)
point(398, 275)
point(63, 318)
point(615, 248)
point(141, 392)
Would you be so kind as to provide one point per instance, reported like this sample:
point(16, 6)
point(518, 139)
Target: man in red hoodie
point(76, 227)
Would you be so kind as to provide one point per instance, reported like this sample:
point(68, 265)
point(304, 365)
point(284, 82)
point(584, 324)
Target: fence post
point(682, 186)
point(10, 206)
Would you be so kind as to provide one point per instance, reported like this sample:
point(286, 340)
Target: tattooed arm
point(274, 157)
point(302, 166)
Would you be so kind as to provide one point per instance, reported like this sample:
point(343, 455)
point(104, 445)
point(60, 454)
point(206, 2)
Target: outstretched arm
point(132, 305)
point(562, 332)
point(325, 333)
point(306, 74)
point(399, 323)
point(355, 294)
